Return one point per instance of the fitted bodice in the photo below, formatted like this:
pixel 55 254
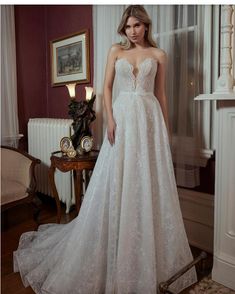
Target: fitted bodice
pixel 142 82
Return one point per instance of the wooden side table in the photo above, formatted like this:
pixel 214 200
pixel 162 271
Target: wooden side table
pixel 77 165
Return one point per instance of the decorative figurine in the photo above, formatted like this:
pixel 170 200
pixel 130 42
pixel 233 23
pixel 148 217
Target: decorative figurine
pixel 82 114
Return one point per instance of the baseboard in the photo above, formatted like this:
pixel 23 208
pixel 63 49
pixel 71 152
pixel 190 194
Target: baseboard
pixel 198 214
pixel 223 273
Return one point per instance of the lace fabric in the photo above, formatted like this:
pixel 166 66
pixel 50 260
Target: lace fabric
pixel 129 235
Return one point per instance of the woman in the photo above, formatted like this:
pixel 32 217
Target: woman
pixel 129 235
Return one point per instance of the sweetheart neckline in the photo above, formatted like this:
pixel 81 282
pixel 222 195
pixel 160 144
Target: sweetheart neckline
pixel 135 77
pixel 133 67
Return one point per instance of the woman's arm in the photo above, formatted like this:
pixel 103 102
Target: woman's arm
pixel 160 87
pixel 108 86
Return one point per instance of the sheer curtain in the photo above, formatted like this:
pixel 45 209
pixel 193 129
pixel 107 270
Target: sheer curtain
pixel 176 29
pixel 9 112
pixel 106 19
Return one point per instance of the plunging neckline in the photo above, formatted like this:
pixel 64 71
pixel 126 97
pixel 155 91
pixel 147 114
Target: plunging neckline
pixel 137 67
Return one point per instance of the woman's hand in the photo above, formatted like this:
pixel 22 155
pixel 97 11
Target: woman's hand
pixel 111 131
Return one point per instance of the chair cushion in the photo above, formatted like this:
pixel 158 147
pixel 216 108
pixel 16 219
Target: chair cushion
pixel 12 191
pixel 15 166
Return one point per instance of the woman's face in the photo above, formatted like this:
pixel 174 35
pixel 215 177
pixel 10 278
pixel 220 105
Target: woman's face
pixel 135 30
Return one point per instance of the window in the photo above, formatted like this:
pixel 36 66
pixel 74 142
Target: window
pixel 186 36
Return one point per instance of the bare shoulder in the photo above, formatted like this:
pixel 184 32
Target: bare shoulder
pixel 116 47
pixel 114 50
pixel 160 55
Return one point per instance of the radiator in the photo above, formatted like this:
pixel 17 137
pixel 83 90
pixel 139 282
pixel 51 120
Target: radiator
pixel 44 135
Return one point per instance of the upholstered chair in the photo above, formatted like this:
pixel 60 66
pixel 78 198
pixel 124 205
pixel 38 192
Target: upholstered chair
pixel 18 184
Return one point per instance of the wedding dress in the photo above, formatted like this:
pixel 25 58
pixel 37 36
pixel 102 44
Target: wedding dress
pixel 129 235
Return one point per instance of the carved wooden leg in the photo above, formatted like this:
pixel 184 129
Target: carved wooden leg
pixel 77 188
pixel 54 191
pixel 87 178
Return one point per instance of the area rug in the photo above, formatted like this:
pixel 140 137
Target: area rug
pixel 208 286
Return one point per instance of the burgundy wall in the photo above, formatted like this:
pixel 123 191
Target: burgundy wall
pixel 61 21
pixel 36 26
pixel 31 64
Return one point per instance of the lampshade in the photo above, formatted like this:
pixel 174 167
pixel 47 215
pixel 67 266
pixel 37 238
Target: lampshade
pixel 89 91
pixel 71 89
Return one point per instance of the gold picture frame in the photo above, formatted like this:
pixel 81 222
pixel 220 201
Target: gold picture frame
pixel 70 60
pixel 65 144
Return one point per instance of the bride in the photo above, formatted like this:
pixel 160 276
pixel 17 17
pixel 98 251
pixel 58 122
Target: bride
pixel 129 235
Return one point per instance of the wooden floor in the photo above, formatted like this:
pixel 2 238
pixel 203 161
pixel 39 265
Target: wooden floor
pixel 15 222
pixel 19 220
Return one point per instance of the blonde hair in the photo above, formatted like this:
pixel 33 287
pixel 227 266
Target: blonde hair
pixel 140 13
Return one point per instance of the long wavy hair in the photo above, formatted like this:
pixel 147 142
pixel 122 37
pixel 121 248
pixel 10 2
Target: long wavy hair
pixel 140 13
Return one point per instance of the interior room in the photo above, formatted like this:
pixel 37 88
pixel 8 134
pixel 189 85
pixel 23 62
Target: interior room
pixel 53 61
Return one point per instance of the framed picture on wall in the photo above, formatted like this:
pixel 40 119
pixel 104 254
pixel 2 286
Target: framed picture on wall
pixel 70 59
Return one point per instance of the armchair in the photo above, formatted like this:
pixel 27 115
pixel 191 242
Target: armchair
pixel 18 184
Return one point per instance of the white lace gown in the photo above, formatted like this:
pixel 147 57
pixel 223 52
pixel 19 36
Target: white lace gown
pixel 129 235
